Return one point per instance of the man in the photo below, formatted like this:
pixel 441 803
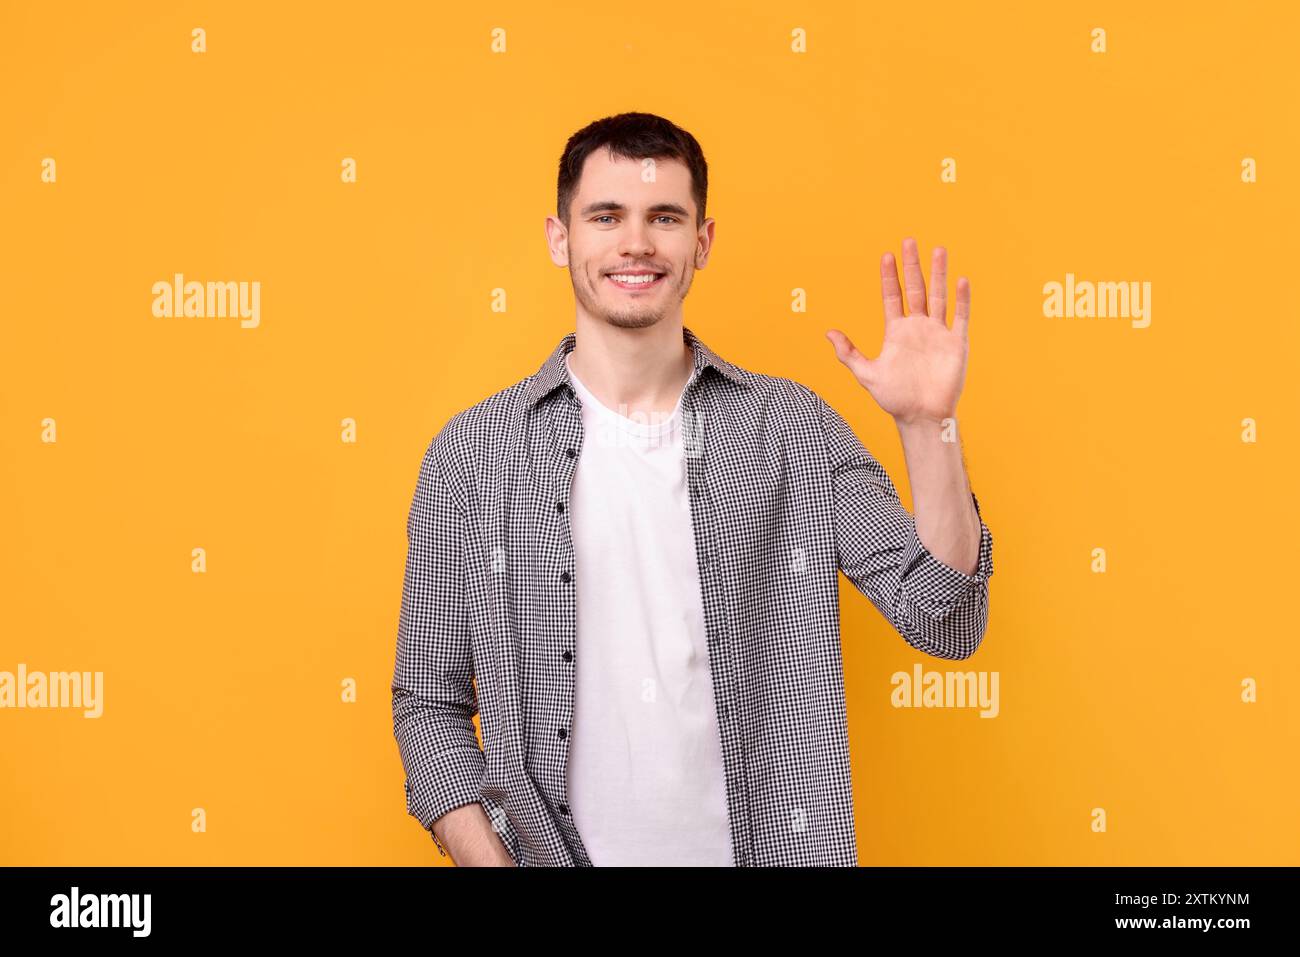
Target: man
pixel 627 563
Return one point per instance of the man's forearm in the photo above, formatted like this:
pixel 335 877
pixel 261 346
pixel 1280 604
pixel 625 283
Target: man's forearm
pixel 467 834
pixel 946 520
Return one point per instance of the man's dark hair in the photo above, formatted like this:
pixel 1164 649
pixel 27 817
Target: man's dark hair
pixel 634 136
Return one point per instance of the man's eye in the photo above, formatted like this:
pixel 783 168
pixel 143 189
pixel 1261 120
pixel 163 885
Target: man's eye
pixel 671 219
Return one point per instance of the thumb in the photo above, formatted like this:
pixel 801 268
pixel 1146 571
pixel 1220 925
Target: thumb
pixel 848 353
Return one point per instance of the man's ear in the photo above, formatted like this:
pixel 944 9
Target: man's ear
pixel 704 243
pixel 557 240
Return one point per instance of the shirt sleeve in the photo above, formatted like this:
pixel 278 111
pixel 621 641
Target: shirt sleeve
pixel 936 608
pixel 434 699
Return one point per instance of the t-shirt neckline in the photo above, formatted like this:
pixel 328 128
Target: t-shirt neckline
pixel 637 427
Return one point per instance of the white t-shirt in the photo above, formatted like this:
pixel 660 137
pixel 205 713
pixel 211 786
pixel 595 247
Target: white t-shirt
pixel 645 776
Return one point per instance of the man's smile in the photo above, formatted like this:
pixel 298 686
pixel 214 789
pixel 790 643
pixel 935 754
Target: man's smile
pixel 635 280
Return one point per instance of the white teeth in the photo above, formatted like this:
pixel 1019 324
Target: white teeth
pixel 633 279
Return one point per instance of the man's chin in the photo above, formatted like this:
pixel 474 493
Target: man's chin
pixel 635 321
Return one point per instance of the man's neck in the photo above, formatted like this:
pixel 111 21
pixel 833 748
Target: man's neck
pixel 633 371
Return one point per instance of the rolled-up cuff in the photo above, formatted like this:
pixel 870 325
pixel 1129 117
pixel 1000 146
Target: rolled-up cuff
pixel 934 586
pixel 448 781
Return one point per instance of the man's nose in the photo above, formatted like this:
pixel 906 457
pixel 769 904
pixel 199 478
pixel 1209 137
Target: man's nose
pixel 635 240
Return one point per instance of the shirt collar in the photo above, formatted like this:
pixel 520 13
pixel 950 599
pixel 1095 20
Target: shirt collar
pixel 554 371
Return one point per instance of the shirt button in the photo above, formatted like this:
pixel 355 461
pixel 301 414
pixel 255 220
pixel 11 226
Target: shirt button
pixel 563 732
pixel 559 506
pixel 565 576
pixel 564 808
pixel 570 453
pixel 568 656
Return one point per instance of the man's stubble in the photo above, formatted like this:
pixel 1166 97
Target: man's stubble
pixel 634 316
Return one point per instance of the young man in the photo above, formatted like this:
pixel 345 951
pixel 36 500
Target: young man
pixel 627 563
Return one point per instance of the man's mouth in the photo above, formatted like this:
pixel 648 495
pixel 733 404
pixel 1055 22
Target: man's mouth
pixel 637 281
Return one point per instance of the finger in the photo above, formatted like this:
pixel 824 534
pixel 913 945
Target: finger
pixel 847 353
pixel 889 288
pixel 961 312
pixel 913 282
pixel 939 284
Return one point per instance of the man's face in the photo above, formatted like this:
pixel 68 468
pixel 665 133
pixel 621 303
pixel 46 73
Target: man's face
pixel 634 220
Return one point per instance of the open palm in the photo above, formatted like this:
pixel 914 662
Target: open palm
pixel 921 369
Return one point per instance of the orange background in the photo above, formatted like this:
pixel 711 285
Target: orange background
pixel 222 690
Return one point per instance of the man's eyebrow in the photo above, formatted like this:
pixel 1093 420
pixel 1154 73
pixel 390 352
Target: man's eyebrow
pixel 608 205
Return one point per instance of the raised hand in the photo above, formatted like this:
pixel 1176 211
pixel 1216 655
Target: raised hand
pixel 921 369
